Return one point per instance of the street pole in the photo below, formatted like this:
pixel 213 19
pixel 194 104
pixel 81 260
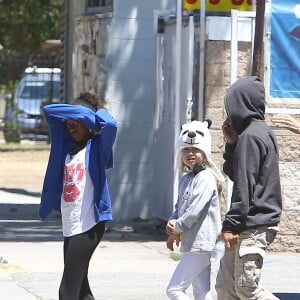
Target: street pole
pixel 257 66
pixel 177 95
pixel 201 102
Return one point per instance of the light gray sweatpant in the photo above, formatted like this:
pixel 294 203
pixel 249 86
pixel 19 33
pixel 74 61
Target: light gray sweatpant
pixel 240 268
pixel 193 269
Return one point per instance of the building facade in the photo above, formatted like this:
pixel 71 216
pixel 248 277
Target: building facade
pixel 119 50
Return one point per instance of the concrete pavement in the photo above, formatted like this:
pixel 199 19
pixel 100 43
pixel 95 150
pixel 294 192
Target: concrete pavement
pixel 131 263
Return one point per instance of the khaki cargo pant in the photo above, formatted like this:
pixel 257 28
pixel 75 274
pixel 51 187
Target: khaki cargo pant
pixel 240 269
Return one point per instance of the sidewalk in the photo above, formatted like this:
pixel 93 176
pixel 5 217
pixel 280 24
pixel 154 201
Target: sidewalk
pixel 131 263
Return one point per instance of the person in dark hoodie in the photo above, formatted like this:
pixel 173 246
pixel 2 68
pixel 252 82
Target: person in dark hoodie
pixel 82 136
pixel 251 162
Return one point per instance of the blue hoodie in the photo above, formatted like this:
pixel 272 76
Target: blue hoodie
pixel 99 150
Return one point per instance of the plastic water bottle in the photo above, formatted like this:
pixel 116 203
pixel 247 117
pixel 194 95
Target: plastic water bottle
pixel 216 254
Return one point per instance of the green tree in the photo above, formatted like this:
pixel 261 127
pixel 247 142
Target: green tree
pixel 25 25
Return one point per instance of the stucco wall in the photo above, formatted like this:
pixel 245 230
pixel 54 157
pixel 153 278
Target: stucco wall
pixel 289 147
pixel 131 92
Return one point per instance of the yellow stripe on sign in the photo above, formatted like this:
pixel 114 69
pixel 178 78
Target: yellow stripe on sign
pixel 219 5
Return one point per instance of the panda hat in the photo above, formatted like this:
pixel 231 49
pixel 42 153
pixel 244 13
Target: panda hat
pixel 196 134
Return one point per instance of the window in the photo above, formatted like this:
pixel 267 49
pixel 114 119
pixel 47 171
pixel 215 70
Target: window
pixel 40 90
pixel 99 6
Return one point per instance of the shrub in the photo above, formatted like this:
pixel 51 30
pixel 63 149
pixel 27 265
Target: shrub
pixel 11 128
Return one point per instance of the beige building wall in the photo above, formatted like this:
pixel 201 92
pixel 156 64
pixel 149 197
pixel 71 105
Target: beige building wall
pixel 217 81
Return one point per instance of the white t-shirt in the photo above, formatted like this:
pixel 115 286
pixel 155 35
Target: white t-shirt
pixel 77 205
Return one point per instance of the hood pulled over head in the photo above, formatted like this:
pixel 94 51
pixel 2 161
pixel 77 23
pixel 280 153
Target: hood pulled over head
pixel 245 100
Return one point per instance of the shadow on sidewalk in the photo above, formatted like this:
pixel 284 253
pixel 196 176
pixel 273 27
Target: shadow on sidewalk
pixel 288 296
pixel 20 192
pixel 137 230
pixel 20 223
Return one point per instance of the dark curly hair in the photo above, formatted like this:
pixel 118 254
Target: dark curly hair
pixel 90 100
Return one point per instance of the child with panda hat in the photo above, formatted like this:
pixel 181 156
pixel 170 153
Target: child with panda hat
pixel 196 220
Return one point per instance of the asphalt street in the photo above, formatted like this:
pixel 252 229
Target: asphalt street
pixel 131 263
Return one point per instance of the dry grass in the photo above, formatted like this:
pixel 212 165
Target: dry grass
pixel 23 166
pixel 7 268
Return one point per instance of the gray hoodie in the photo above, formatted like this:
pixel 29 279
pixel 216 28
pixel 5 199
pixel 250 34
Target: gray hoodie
pixel 252 163
pixel 197 212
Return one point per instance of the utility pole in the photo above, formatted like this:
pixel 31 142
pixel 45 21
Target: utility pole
pixel 258 61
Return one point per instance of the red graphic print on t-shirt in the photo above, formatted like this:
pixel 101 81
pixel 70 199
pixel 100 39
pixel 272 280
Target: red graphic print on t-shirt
pixel 73 174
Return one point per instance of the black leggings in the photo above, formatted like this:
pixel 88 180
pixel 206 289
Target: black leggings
pixel 78 250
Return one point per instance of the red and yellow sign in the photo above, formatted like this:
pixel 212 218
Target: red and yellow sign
pixel 219 5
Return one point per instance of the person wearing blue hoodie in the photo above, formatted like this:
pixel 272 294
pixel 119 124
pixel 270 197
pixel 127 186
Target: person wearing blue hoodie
pixel 82 137
pixel 252 163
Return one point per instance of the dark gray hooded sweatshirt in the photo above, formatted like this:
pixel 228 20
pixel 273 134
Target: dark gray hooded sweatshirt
pixel 252 163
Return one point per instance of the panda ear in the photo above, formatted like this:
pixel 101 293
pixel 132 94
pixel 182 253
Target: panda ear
pixel 209 122
pixel 183 126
